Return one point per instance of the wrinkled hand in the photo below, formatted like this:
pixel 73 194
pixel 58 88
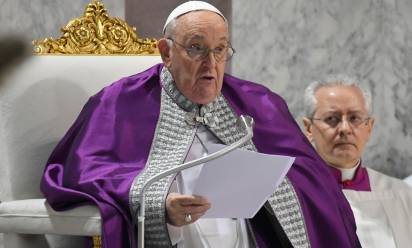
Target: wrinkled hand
pixel 178 206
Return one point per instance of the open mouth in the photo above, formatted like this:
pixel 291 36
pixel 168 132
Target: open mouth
pixel 207 78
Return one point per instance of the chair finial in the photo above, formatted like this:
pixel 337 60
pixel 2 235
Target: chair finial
pixel 99 34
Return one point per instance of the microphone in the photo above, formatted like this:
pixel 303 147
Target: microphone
pixel 245 121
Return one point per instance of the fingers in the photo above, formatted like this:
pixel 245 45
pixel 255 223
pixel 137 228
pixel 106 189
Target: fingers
pixel 198 209
pixel 193 200
pixel 196 217
pixel 179 206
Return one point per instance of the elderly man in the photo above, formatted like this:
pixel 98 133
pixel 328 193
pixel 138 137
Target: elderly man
pixel 338 122
pixel 160 118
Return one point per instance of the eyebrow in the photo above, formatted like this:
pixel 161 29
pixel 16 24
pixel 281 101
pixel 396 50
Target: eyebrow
pixel 340 112
pixel 195 37
pixel 202 37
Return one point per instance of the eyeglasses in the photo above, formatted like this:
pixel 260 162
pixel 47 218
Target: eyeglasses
pixel 353 120
pixel 199 52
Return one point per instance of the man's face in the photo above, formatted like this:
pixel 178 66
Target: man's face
pixel 199 80
pixel 339 143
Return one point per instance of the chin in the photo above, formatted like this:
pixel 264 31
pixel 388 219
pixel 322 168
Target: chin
pixel 347 150
pixel 346 158
pixel 204 98
pixel 345 155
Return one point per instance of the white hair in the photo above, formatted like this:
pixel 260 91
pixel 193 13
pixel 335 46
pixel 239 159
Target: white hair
pixel 170 28
pixel 333 80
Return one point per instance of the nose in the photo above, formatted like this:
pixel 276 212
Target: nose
pixel 210 59
pixel 345 126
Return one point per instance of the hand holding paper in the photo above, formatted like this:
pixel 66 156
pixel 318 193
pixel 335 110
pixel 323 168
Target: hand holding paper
pixel 239 183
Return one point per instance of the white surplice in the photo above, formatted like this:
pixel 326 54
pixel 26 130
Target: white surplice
pixel 383 216
pixel 408 180
pixel 206 233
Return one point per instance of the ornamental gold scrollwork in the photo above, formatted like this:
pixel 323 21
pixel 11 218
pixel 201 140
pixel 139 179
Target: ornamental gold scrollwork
pixel 97 241
pixel 99 34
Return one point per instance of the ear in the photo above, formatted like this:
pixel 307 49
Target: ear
pixel 164 50
pixel 307 123
pixel 370 126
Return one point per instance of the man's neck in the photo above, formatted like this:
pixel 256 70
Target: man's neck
pixel 348 172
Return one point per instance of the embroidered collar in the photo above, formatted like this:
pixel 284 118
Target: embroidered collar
pixel 196 114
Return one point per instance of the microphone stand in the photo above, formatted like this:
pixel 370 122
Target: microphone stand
pixel 246 122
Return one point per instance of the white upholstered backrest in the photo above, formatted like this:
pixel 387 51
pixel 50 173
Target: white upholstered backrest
pixel 39 100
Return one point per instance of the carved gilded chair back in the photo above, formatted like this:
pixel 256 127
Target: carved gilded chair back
pixel 40 100
pixel 96 33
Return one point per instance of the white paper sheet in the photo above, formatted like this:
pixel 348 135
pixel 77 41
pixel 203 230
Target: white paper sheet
pixel 238 183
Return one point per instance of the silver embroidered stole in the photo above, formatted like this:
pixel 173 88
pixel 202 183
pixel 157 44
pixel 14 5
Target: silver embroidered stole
pixel 174 134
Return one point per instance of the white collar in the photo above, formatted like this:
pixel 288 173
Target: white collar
pixel 349 174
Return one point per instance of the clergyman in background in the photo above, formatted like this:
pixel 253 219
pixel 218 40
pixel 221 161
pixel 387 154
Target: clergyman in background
pixel 338 121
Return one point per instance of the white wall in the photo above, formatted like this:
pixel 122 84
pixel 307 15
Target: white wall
pixel 38 19
pixel 287 44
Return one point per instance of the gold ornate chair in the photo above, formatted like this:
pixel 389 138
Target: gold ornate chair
pixel 38 102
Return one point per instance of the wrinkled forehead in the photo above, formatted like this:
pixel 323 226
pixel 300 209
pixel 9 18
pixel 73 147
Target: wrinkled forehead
pixel 201 24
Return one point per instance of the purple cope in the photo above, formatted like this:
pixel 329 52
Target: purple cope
pixel 109 143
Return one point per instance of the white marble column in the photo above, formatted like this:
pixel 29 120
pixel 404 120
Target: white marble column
pixel 286 44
